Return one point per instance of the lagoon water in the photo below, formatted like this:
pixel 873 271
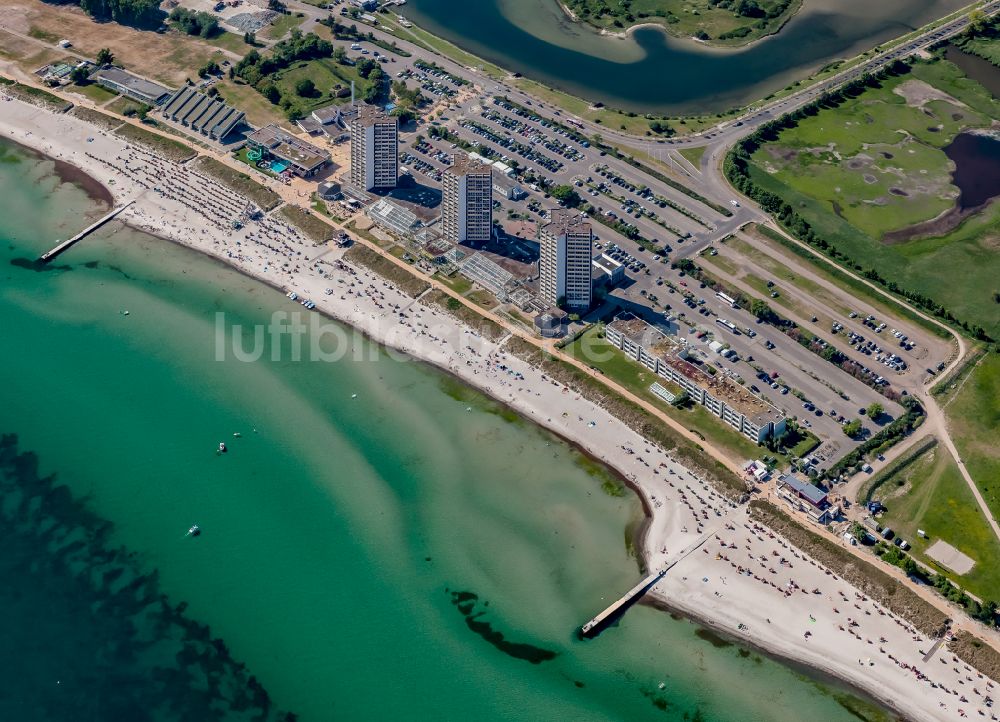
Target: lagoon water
pixel 388 557
pixel 649 71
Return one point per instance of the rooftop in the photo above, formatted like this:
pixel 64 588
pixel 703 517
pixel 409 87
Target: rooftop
pixel 566 221
pixel 464 164
pixel 666 349
pixel 813 494
pixel 644 334
pixel 371 115
pixel 288 147
pixel 393 216
pixel 132 82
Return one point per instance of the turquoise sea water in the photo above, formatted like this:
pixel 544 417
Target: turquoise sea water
pixel 389 557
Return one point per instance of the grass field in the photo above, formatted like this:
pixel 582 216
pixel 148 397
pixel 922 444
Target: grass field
pixel 930 494
pixel 260 111
pixel 457 283
pixel 239 182
pixel 282 26
pixel 167 147
pixel 98 93
pixel 875 165
pixel 974 420
pixel 124 104
pixel 328 77
pixel 595 351
pixel 685 18
pixel 693 155
pixel 27 54
pixel 169 57
pixel 229 41
pixel 315 230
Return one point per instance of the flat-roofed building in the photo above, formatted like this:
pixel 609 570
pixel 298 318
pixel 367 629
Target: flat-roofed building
pixel 609 270
pixel 564 267
pixel 302 157
pixel 806 497
pixel 208 116
pixel 374 149
pixel 131 86
pixel 510 191
pixel 467 201
pixel 661 353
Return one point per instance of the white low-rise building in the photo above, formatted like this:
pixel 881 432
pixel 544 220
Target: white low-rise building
pixel 746 412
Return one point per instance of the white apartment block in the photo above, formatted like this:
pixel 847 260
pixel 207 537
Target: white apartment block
pixel 564 267
pixel 467 201
pixel 374 149
pixel 746 412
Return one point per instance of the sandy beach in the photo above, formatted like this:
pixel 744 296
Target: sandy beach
pixel 730 573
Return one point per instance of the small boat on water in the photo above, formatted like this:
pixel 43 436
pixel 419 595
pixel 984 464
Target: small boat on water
pixel 222 447
pixel 195 530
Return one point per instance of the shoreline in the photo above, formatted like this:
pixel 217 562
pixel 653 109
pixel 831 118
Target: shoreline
pixel 668 508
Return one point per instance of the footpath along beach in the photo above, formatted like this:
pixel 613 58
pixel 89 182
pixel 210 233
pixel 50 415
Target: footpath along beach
pixel 729 572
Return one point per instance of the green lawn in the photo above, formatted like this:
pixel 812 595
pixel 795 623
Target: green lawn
pixel 595 351
pixel 260 111
pixel 457 283
pixel 97 93
pixel 282 26
pixel 930 494
pixel 693 155
pixel 974 419
pixel 837 168
pixel 686 18
pixel 328 77
pixel 230 41
pixel 124 104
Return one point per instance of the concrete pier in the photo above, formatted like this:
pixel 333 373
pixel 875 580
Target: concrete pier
pixel 621 605
pixel 50 254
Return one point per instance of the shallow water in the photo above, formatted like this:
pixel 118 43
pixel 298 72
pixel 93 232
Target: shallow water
pixel 649 71
pixel 977 168
pixel 392 556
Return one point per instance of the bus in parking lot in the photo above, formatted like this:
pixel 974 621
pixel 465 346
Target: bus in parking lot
pixel 728 325
pixel 726 299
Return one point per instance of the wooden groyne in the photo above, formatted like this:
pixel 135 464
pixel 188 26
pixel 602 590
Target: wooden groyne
pixel 50 254
pixel 596 625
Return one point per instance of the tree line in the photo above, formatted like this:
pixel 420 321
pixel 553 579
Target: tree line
pixel 202 24
pixel 138 13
